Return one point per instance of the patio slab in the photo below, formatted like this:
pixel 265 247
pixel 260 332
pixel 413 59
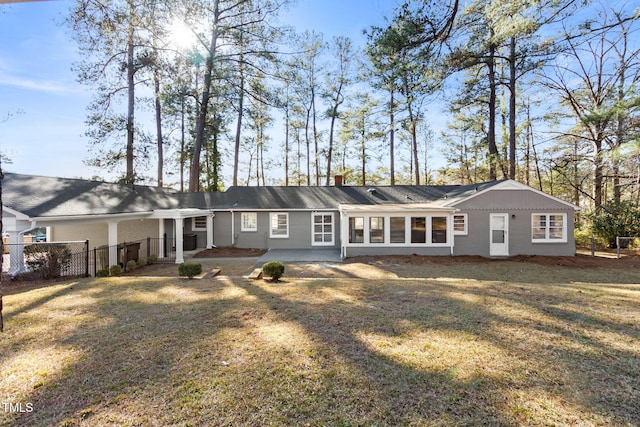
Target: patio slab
pixel 301 255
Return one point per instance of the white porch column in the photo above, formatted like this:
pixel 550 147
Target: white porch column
pixel 179 240
pixel 113 242
pixel 16 253
pixel 210 230
pixel 161 231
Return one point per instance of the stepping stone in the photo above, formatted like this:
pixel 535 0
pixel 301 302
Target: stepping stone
pixel 255 274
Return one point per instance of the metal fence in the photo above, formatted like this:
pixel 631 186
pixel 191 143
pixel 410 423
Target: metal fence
pixel 47 259
pixel 61 259
pixel 161 249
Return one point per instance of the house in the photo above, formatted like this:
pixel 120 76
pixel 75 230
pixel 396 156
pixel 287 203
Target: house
pixel 491 219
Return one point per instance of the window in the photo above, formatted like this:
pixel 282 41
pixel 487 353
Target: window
pixel 439 229
pixel 549 228
pixel 376 229
pixel 396 228
pixel 279 225
pixel 356 230
pixel 322 233
pixel 199 223
pixel 460 224
pixel 418 230
pixel 249 221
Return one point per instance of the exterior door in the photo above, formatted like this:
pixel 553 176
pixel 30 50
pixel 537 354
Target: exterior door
pixel 499 235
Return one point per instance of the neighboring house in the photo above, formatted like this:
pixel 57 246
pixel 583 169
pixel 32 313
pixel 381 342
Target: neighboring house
pixel 492 219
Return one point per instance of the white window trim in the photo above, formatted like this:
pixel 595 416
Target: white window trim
pixel 565 227
pixel 248 229
pixel 465 232
pixel 407 230
pixel 193 224
pixel 278 236
pixel 333 229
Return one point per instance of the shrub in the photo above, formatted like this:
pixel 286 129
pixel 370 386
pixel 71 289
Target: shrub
pixel 103 273
pixel 131 265
pixel 114 270
pixel 190 269
pixel 142 262
pixel 273 269
pixel 617 219
pixel 152 259
pixel 48 261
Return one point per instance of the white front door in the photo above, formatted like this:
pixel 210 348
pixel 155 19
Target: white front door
pixel 499 234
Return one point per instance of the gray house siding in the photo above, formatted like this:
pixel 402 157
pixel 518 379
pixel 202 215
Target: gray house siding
pixel 299 222
pixel 352 251
pixel 519 205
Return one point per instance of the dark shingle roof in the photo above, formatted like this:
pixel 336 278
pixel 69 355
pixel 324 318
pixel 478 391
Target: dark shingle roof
pixel 38 196
pixel 330 197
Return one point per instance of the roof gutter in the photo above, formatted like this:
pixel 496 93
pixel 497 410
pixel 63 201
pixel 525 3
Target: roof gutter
pixel 91 218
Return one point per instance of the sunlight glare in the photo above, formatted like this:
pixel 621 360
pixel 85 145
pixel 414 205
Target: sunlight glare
pixel 181 36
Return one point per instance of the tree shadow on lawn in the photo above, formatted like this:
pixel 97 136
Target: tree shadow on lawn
pixel 228 351
pixel 562 365
pixel 529 269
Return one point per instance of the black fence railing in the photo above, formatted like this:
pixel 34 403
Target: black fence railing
pixel 58 259
pixel 47 259
pixel 140 251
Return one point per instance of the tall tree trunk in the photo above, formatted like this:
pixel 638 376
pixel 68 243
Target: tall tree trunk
pixel 182 142
pixel 236 149
pixel 286 141
pixel 156 86
pixel 131 70
pixel 364 153
pixel 194 171
pixel 315 137
pixel 512 108
pixel 491 131
pixel 392 125
pixel 414 145
pixel 308 141
pixel 334 113
pixel 597 172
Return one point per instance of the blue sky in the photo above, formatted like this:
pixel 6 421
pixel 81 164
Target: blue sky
pixel 48 107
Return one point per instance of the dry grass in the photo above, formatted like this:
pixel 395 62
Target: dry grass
pixel 486 343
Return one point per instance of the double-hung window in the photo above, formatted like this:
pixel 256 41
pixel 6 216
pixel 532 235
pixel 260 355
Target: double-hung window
pixel 249 221
pixel 199 223
pixel 376 229
pixel 279 225
pixel 356 229
pixel 549 228
pixel 460 224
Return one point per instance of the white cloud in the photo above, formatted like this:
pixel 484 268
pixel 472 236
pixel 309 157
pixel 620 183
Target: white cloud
pixel 32 84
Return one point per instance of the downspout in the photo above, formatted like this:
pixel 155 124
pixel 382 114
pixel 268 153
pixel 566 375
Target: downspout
pixel 233 228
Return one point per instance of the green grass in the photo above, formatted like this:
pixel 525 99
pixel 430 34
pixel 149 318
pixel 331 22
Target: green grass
pixel 483 344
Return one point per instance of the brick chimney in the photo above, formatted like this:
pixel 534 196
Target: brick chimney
pixel 338 180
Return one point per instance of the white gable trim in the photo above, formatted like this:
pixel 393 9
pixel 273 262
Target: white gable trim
pixel 515 185
pixel 19 215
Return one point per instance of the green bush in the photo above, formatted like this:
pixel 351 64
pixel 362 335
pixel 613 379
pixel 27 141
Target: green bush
pixel 103 273
pixel 190 269
pixel 114 270
pixel 48 261
pixel 273 269
pixel 152 259
pixel 142 262
pixel 617 219
pixel 132 265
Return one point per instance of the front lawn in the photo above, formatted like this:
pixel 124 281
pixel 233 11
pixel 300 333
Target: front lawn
pixel 485 343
